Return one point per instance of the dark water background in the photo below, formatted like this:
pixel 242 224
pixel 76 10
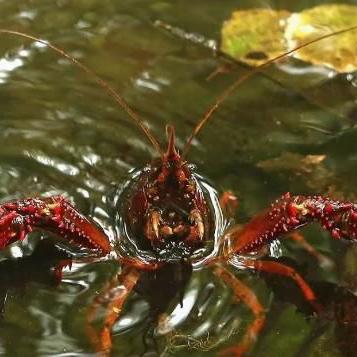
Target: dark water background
pixel 60 133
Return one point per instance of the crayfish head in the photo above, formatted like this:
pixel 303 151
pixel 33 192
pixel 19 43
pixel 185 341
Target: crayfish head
pixel 169 209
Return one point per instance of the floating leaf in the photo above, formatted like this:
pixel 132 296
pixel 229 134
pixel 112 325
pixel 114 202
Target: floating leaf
pixel 254 36
pixel 257 35
pixel 338 52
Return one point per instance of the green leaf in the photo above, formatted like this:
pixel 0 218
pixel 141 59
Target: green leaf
pixel 255 35
pixel 338 52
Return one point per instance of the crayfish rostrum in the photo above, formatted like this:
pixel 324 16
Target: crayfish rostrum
pixel 170 216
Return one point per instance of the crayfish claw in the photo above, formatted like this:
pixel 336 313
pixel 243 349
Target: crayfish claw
pixel 54 214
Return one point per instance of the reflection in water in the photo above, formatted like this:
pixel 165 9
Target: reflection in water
pixel 324 72
pixel 28 14
pixel 8 65
pixel 16 252
pixel 47 161
pixel 181 312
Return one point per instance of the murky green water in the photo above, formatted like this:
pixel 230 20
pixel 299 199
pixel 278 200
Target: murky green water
pixel 60 133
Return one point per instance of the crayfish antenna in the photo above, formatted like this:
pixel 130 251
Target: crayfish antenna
pixel 101 82
pixel 218 101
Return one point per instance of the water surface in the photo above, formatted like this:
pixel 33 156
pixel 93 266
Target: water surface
pixel 60 133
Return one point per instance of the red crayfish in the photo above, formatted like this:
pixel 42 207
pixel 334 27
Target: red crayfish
pixel 169 215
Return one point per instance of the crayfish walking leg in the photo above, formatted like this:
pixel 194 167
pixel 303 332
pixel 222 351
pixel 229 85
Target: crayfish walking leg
pixel 247 296
pixel 113 297
pixel 322 259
